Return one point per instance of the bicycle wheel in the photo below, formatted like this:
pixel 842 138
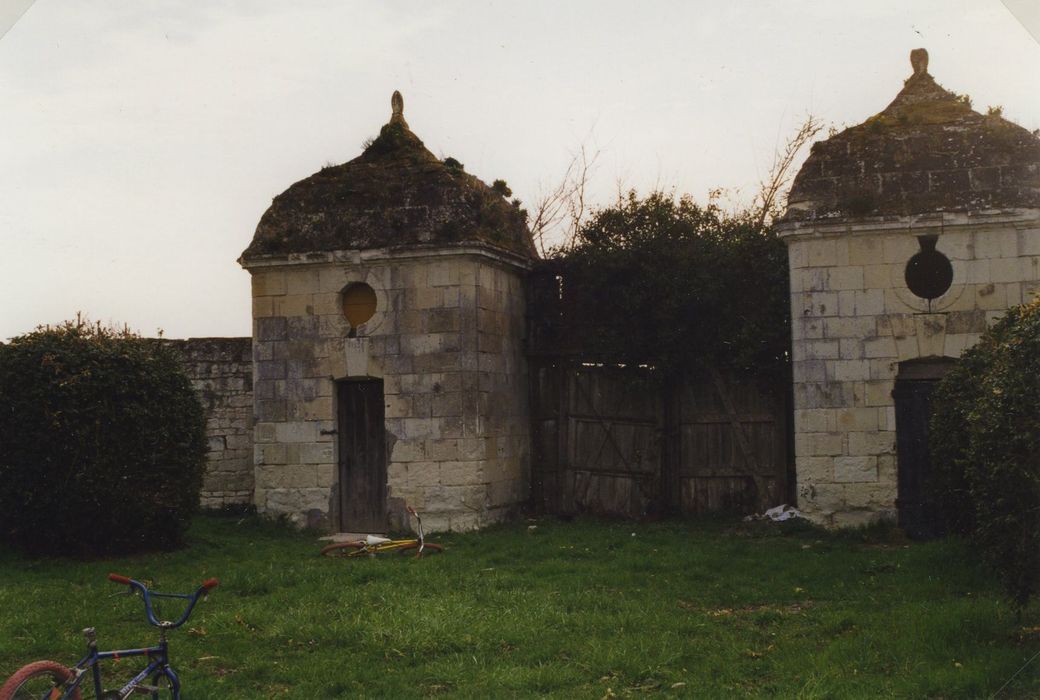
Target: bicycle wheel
pixel 428 548
pixel 32 681
pixel 163 685
pixel 344 549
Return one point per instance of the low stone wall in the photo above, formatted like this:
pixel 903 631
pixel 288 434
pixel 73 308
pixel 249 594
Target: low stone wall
pixel 221 371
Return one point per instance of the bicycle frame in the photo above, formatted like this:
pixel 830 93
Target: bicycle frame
pixel 373 544
pixel 158 655
pixel 158 665
pixel 422 538
pixel 376 545
pixel 389 546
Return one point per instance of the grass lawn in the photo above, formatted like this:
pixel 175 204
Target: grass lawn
pixel 545 608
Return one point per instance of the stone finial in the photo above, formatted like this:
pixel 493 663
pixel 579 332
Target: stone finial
pixel 918 60
pixel 397 105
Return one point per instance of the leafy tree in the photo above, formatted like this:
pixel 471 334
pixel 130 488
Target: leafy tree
pixel 102 442
pixel 985 445
pixel 661 280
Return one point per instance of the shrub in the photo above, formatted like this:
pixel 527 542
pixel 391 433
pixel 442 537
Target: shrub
pixel 661 280
pixel 985 444
pixel 102 442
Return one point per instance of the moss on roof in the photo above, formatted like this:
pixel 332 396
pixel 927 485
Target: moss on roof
pixel 928 151
pixel 396 193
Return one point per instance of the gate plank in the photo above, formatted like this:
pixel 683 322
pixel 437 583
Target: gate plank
pixel 628 446
pixel 761 487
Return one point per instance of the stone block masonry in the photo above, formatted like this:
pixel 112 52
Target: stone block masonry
pixel 446 340
pixel 387 323
pixel 908 235
pixel 221 372
pixel 854 321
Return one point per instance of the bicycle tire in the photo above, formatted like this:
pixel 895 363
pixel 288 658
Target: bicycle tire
pixel 17 686
pixel 428 548
pixel 344 549
pixel 161 681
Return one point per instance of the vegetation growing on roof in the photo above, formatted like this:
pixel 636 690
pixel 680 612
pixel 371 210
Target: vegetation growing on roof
pixel 927 151
pixel 502 188
pixel 396 193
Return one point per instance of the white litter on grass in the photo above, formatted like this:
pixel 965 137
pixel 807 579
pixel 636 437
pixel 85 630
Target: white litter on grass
pixel 777 515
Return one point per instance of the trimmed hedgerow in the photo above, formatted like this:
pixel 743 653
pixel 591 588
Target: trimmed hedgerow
pixel 102 442
pixel 985 445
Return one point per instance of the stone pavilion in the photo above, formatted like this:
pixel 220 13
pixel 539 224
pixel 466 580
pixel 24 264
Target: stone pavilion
pixel 388 314
pixel 908 235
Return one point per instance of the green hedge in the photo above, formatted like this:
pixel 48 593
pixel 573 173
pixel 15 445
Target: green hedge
pixel 102 442
pixel 667 282
pixel 985 445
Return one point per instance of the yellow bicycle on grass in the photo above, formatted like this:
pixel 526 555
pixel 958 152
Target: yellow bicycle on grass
pixel 373 545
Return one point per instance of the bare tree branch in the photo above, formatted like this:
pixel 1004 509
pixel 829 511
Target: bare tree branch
pixel 773 189
pixel 560 212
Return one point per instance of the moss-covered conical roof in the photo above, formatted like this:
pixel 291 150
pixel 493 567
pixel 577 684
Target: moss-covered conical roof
pixel 928 151
pixel 396 193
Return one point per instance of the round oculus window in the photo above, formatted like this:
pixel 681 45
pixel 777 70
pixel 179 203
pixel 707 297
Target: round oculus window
pixel 359 303
pixel 929 273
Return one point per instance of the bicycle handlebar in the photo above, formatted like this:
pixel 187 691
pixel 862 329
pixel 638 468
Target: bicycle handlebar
pixel 193 598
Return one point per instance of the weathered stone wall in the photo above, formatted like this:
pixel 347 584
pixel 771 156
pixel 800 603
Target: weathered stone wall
pixel 221 371
pixel 445 339
pixel 854 321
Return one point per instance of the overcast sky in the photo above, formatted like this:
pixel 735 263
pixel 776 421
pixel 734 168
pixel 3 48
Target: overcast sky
pixel 140 142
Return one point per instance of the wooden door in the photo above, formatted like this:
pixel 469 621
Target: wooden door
pixel 362 455
pixel 918 513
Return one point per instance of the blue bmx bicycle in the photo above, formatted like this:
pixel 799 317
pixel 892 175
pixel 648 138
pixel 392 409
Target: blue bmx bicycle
pixel 48 680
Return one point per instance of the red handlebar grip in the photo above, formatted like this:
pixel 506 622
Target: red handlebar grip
pixel 119 579
pixel 411 510
pixel 210 583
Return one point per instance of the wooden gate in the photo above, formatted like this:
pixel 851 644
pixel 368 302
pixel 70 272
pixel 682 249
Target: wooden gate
pixel 362 455
pixel 731 452
pixel 616 441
